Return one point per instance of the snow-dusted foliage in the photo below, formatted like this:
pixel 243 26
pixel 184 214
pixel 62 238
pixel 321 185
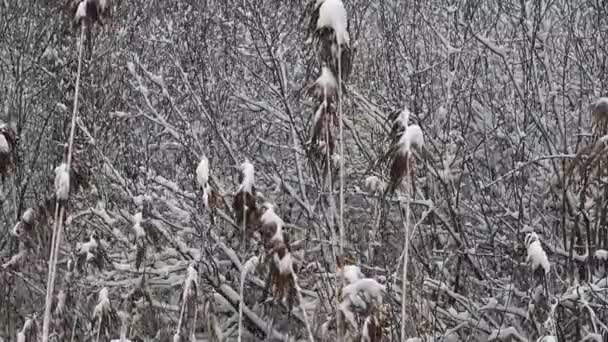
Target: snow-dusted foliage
pixel 205 136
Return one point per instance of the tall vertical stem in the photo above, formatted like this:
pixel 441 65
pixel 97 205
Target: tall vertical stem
pixel 341 137
pixel 59 211
pixel 406 248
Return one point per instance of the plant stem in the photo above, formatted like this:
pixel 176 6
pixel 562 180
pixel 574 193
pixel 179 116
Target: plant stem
pixel 58 226
pixel 406 249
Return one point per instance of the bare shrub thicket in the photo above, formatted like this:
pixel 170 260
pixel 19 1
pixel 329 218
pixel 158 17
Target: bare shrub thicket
pixel 506 213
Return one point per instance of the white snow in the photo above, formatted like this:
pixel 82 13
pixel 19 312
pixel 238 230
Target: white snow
pixel 62 182
pixel 403 117
pixel 81 11
pixel 368 287
pixel 191 280
pixel 103 4
pixel 285 264
pixel 333 14
pixel 326 82
pixel 4 148
pixel 28 216
pixel 137 228
pixel 202 172
pixel 536 255
pixel 349 315
pixel 270 216
pixel 365 331
pixel 103 303
pixel 351 273
pixel 374 184
pixel 411 137
pixel 601 101
pixel 601 254
pixel 87 247
pixel 248 179
pixel 17 231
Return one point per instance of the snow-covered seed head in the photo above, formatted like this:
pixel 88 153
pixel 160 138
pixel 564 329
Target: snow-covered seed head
pixel 599 115
pixel 412 137
pixel 137 228
pixel 190 283
pixel 246 168
pixel 81 11
pixel 600 109
pixel 325 86
pixel 351 273
pixel 4 147
pixel 247 176
pixel 332 14
pixel 530 238
pixel 8 142
pixel 62 182
pixel 536 254
pixel 374 184
pixel 403 118
pixel 17 230
pixel 28 216
pixel 202 172
pixel 103 303
pixel 366 288
pixel 282 258
pixel 92 9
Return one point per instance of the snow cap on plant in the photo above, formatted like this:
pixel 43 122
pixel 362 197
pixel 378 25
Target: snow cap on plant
pixel 374 184
pixel 139 231
pixel 325 87
pixel 90 10
pixel 244 204
pixel 190 283
pixel 271 224
pixel 599 117
pixel 322 141
pixel 202 179
pixel 329 28
pixel 68 180
pixel 536 254
pixel 28 332
pixel 403 162
pixel 8 144
pixel 281 272
pixel 104 314
pixel 363 294
pixel 351 273
pixel 90 252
